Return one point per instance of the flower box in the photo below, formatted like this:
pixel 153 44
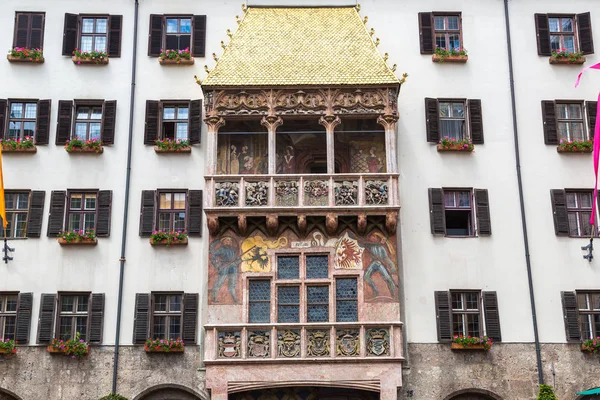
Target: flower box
pixel 16 59
pixel 182 150
pixel 99 150
pixel 180 61
pixel 163 350
pixel 9 149
pixel 173 243
pixel 566 60
pixel 437 58
pixel 459 347
pixel 86 60
pixel 7 351
pixel 561 149
pixel 53 350
pixel 453 147
pixel 91 242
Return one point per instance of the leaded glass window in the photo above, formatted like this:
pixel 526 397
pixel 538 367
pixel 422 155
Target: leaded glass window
pixel 346 299
pixel 259 297
pixel 288 304
pixel 317 299
pixel 317 267
pixel 288 267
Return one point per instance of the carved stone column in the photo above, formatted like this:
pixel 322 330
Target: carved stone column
pixel 330 122
pixel 213 123
pixel 272 122
pixel 388 122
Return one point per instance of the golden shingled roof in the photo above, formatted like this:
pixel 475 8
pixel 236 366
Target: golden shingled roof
pixel 300 46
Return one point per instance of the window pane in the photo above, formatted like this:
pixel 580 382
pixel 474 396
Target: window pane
pixel 576 129
pixel 259 290
pixel 449 199
pixel 96 113
pixel 454 41
pixel 81 327
pixel 288 309
pixel 81 131
pixel 184 42
pixel 586 200
pixel 82 303
pixel 260 312
pixel 440 40
pixel 28 129
pixel 74 222
pixel 30 110
pixel 582 299
pixel 562 111
pixel 9 226
pixel 453 128
pixel 439 23
pixel 87 25
pixel 472 301
pixel 458 110
pixel 473 324
pixel 182 130
pixel 595 302
pixel 464 199
pixel 22 201
pixel 67 303
pixel 445 109
pixel 10 327
pixel 20 225
pixel 65 328
pixel 573 224
pixel 554 24
pixel 10 304
pixel 346 288
pixel 14 130
pixel 457 301
pixel 179 221
pixel 160 302
pixel 9 200
pixel 164 222
pixel 159 328
pixel 288 267
pixel 89 222
pixel 16 110
pixel 175 303
pixel 165 201
pixel 318 303
pixel 175 328
pixel 596 319
pixel 457 324
pixel 185 25
pixel 100 43
pixel 182 113
pixel 567 24
pixel 555 43
pixel 346 311
pixel 172 42
pixel 171 25
pixel 83 112
pixel 574 111
pixel 101 25
pixel 569 43
pixel 87 43
pixel 453 23
pixel 169 113
pixel 95 131
pixel 317 267
pixel 179 201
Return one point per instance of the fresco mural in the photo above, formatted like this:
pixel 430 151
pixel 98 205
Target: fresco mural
pixel 242 154
pixel 367 157
pixel 374 255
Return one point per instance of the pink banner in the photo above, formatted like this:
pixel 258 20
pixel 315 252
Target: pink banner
pixel 596 145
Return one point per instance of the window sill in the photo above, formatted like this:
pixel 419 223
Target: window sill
pixel 99 61
pixel 560 149
pixel 162 350
pixel 436 58
pixel 85 150
pixel 181 61
pixel 52 350
pixel 454 147
pixel 63 242
pixel 163 242
pixel 460 347
pixel 14 59
pixel 182 150
pixel 564 60
pixel 7 149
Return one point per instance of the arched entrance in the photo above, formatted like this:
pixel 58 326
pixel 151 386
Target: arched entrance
pixel 6 395
pixel 473 394
pixel 305 393
pixel 167 392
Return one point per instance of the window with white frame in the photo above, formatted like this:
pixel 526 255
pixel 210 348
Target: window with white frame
pixel 73 316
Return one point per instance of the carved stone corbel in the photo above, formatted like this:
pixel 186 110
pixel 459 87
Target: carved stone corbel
pixel 331 223
pixel 213 224
pixel 214 123
pixel 272 224
pixel 302 224
pixel 242 224
pixel 330 122
pixel 271 122
pixel 362 224
pixel 391 222
pixel 388 121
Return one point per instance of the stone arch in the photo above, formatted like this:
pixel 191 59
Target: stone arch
pixel 473 394
pixel 169 392
pixel 5 394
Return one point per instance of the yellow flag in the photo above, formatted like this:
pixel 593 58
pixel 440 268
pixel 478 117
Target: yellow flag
pixel 2 203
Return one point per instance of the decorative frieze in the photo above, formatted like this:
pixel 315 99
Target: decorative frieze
pixel 257 193
pixel 376 192
pixel 346 193
pixel 229 345
pixel 316 193
pixel 378 342
pixel 227 194
pixel 259 344
pixel 288 343
pixel 347 342
pixel 318 343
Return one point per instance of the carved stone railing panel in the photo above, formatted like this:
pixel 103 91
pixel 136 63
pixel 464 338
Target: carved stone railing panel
pixel 257 193
pixel 346 193
pixel 227 194
pixel 316 193
pixel 376 192
pixel 278 341
pixel 286 193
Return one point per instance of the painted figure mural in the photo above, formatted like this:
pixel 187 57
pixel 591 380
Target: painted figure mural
pixel 367 156
pixel 289 161
pixel 225 259
pixel 379 250
pixel 242 154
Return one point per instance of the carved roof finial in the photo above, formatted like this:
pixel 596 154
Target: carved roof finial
pixel 244 8
pixel 238 20
pixel 229 33
pixel 372 32
pixel 215 57
pixel 365 20
pixel 197 80
pixel 394 68
pixel 223 44
pixel 386 56
pixel 357 7
pixel 377 42
pixel 404 76
pixel 206 69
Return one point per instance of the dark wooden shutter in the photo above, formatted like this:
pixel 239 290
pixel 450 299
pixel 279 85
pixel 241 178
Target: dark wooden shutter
pixel 443 316
pixel 24 306
pixel 584 29
pixel 46 320
pixel 155 35
pixel 559 209
pixel 195 212
pixel 432 120
pixel 114 36
pixel 199 46
pixel 195 121
pixel 542 31
pixel 190 317
pixel 69 34
pixel 42 125
pixel 36 213
pixel 571 316
pixel 426 32
pixel 36 33
pixel 21 30
pixel 151 129
pixel 58 199
pixel 96 320
pixel 492 316
pixel 108 121
pixel 437 216
pixel 3 111
pixel 63 125
pixel 482 208
pixel 104 211
pixel 475 121
pixel 142 318
pixel 549 118
pixel 147 213
pixel 592 109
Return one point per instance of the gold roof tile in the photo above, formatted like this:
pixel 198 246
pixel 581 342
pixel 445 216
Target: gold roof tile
pixel 300 46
